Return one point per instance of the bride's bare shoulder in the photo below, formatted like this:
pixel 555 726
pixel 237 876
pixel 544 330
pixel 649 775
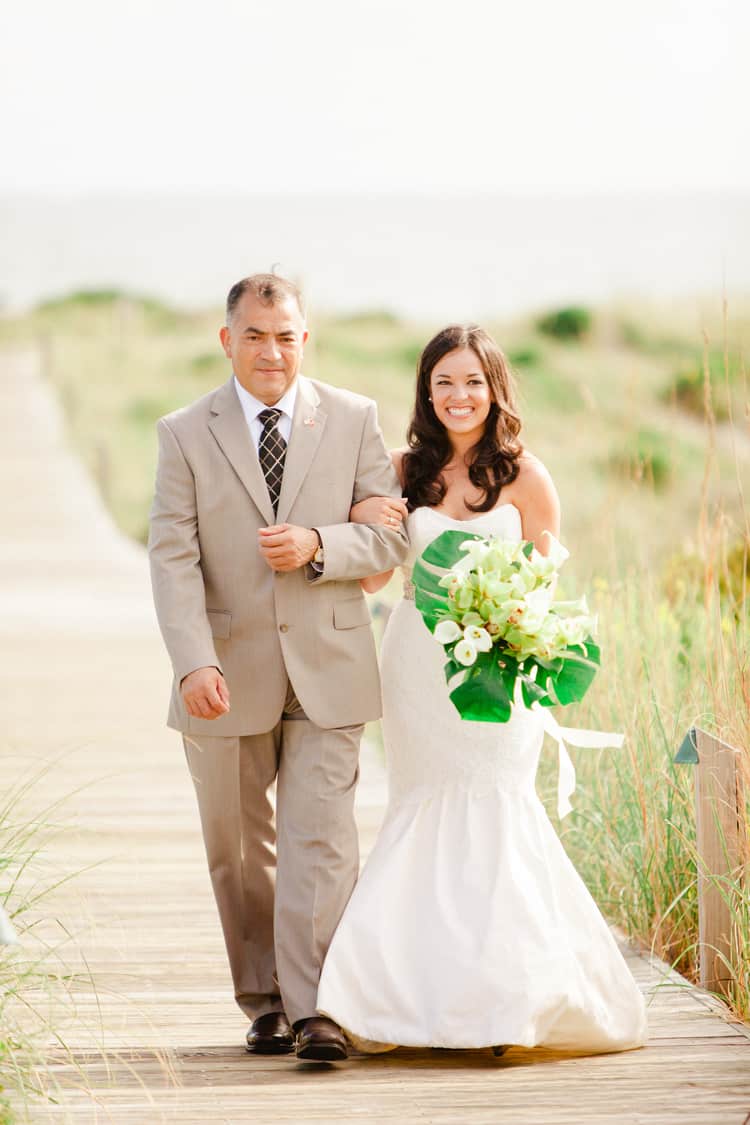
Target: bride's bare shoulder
pixel 533 475
pixel 533 489
pixel 534 494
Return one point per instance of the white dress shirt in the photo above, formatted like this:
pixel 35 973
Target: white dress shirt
pixel 252 407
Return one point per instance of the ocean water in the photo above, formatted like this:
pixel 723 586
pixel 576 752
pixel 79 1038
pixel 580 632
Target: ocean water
pixel 425 257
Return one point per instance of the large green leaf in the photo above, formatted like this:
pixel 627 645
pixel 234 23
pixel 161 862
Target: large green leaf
pixel 483 696
pixel 427 581
pixel 444 551
pixel 531 691
pixel 430 598
pixel 432 608
pixel 572 682
pixel 508 667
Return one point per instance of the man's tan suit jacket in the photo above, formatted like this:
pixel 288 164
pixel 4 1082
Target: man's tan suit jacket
pixel 217 600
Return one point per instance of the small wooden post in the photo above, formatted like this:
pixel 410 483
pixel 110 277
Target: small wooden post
pixel 721 833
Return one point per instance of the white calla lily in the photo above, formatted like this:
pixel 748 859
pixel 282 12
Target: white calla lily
pixel 479 637
pixel 446 632
pixel 465 653
pixel 463 566
pixel 557 553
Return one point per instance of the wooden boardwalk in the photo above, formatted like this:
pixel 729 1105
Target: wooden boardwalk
pixel 84 685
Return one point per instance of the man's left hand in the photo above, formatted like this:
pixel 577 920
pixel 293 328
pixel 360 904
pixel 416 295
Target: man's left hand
pixel 287 547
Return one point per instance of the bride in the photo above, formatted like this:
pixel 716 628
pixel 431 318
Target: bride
pixel 469 926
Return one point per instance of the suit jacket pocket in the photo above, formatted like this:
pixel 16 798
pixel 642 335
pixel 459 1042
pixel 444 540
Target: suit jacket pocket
pixel 351 613
pixel 220 621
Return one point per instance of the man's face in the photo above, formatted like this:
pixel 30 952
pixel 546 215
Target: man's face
pixel 265 344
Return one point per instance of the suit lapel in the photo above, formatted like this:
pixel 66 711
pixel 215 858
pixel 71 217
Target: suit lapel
pixel 229 427
pixel 307 430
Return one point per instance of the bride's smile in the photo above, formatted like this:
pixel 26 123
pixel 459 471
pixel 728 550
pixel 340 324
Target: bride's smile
pixel 460 394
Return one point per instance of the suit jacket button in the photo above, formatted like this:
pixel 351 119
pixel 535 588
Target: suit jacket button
pixel 283 628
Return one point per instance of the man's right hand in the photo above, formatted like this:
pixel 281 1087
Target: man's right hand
pixel 205 693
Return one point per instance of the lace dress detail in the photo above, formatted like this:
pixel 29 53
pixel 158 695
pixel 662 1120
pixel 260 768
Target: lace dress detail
pixel 469 925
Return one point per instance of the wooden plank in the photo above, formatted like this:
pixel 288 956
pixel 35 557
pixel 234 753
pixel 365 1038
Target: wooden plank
pixel 721 843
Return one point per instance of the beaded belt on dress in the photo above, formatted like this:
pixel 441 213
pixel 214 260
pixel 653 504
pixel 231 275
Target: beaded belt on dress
pixel 408 590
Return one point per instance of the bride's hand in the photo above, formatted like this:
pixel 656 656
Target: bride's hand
pixel 388 511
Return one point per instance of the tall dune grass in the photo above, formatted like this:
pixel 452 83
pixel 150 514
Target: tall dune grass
pixel 37 989
pixel 677 653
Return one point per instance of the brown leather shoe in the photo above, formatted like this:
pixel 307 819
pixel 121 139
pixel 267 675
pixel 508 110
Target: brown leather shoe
pixel 270 1034
pixel 319 1039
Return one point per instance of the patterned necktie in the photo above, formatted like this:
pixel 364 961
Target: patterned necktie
pixel 271 452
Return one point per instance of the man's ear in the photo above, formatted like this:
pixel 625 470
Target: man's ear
pixel 226 341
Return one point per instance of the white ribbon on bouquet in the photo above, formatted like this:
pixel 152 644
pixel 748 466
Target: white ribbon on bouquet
pixel 588 739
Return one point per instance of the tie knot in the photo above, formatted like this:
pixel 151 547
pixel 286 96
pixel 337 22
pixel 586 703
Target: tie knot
pixel 270 417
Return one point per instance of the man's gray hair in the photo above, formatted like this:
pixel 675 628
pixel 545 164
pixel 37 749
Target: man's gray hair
pixel 268 288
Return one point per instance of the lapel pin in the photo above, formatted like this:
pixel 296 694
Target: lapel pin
pixel 309 422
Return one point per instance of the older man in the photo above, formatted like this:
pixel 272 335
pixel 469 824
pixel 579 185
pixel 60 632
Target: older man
pixel 255 571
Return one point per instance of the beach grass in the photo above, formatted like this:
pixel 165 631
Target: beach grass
pixel 677 645
pixel 37 986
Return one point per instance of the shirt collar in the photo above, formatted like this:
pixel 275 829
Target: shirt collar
pixel 253 406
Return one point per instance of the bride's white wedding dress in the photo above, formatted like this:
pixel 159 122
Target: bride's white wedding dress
pixel 469 925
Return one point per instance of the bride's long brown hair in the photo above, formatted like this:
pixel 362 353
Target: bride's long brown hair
pixel 493 461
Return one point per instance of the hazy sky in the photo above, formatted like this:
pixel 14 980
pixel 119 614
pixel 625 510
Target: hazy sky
pixel 381 95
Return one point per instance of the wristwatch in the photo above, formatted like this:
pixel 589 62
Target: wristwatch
pixel 319 556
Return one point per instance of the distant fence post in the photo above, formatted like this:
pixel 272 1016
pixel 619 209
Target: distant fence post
pixel 721 842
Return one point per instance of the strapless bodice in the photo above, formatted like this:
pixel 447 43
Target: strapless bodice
pixel 425 524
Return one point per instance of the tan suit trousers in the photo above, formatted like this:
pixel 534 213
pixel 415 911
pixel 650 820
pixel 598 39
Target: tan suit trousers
pixel 280 882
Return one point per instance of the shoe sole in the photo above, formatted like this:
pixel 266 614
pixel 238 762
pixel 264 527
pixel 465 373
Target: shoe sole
pixel 321 1052
pixel 268 1047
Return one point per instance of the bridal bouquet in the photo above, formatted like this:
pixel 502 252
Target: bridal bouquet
pixel 491 603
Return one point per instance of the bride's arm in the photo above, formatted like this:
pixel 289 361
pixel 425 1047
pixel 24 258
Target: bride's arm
pixel 535 496
pixel 380 510
pixel 375 582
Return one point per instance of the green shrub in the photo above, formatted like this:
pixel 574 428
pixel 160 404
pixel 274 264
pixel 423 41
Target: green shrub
pixel 85 297
pixel 687 389
pixel 371 318
pixel 644 458
pixel 527 356
pixel 632 335
pixel 570 323
pixel 410 354
pixel 686 570
pixel 113 302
